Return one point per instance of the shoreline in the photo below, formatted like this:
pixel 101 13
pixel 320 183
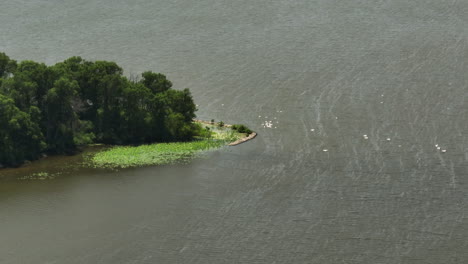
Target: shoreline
pixel 82 149
pixel 244 139
pixel 235 143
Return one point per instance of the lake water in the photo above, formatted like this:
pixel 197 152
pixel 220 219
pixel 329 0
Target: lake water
pixel 311 189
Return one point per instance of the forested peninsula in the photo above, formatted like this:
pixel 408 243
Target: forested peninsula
pixel 56 109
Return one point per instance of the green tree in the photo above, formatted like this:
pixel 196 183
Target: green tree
pixel 60 117
pixel 21 138
pixel 23 92
pixel 83 133
pixel 135 113
pixel 179 129
pixel 182 102
pixel 156 82
pixel 7 66
pixel 37 75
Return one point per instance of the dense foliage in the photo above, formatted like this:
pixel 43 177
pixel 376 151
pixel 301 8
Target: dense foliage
pixel 56 108
pixel 242 129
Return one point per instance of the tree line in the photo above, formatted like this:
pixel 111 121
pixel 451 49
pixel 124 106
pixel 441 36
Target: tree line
pixel 55 109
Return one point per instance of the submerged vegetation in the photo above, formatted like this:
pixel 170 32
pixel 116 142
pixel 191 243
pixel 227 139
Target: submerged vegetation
pixel 39 176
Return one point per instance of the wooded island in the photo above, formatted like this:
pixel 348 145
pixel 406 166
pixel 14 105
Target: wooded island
pixel 55 109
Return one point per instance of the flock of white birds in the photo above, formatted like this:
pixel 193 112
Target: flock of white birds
pixel 272 124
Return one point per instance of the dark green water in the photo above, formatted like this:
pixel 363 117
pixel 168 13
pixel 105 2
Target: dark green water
pixel 386 69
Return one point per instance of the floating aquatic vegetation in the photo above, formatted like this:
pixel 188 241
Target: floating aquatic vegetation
pixel 154 154
pixel 160 153
pixel 40 176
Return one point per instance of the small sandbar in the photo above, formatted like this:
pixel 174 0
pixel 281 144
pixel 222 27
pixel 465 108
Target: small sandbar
pixel 244 139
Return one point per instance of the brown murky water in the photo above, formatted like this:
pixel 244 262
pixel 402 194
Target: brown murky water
pixel 310 189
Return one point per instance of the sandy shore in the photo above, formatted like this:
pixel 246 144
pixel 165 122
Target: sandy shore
pixel 244 139
pixel 237 142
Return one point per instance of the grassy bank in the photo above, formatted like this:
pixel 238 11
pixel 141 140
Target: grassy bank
pixel 163 153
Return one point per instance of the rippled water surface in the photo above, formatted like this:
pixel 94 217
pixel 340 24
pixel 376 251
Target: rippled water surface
pixel 310 189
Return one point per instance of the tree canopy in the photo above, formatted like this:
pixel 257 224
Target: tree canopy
pixel 57 108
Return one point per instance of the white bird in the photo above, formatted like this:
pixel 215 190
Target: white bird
pixel 325 150
pixel 444 150
pixel 438 148
pixel 388 139
pixel 312 130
